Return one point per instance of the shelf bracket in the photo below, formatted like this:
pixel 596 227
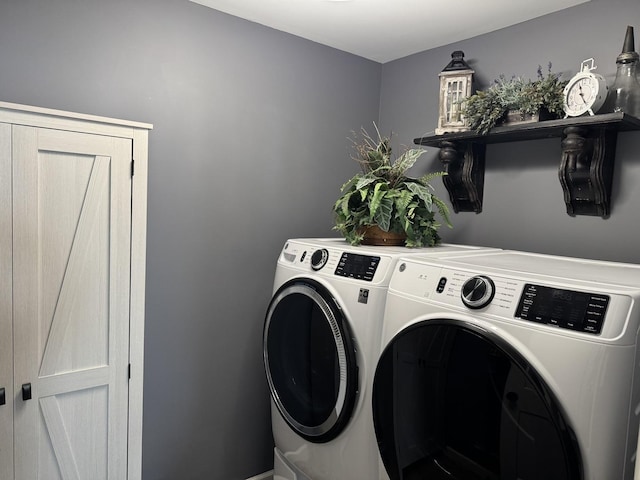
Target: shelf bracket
pixel 464 164
pixel 586 169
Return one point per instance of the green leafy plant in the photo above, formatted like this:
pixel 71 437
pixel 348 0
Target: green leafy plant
pixel 486 108
pixel 385 196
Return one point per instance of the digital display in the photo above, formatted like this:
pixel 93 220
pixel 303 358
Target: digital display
pixel 361 267
pixel 564 308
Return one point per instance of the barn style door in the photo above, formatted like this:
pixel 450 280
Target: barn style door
pixel 71 215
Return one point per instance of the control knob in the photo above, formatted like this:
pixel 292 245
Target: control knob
pixel 319 258
pixel 478 291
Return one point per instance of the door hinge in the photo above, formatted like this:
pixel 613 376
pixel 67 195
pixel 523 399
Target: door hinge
pixel 129 372
pixel 133 162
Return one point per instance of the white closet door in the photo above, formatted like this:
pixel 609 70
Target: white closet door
pixel 71 247
pixel 6 298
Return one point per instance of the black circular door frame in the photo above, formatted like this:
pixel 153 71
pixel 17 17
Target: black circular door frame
pixel 317 300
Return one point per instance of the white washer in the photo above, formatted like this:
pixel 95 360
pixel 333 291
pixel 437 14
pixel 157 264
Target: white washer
pixel 509 365
pixel 321 339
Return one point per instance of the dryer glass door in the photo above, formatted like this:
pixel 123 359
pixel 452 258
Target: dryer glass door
pixel 310 360
pixel 454 402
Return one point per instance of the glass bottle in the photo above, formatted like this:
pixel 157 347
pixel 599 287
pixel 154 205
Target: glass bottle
pixel 624 95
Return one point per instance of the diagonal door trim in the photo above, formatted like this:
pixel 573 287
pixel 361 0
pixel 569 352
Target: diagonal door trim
pixel 59 438
pixel 80 248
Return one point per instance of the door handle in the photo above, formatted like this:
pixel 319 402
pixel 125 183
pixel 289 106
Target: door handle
pixel 3 396
pixel 26 391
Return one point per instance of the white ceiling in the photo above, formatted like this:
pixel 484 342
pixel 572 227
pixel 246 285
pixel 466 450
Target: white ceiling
pixel 384 30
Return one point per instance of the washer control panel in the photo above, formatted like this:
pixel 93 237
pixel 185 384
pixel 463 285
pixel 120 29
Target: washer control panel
pixel 360 267
pixel 570 309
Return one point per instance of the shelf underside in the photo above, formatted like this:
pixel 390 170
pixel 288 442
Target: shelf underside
pixel 536 130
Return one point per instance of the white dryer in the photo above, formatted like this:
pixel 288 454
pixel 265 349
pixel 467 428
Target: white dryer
pixel 321 338
pixel 509 366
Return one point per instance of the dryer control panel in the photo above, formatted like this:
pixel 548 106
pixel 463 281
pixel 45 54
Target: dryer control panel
pixel 570 309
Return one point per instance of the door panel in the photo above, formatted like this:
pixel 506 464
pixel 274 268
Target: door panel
pixel 76 261
pixel 71 221
pixel 6 299
pixel 75 434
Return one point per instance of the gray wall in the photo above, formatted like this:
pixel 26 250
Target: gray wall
pixel 523 201
pixel 249 147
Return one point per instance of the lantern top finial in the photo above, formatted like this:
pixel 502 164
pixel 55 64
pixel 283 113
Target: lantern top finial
pixel 457 62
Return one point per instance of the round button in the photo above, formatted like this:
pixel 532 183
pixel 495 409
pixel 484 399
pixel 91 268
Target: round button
pixel 478 291
pixel 319 258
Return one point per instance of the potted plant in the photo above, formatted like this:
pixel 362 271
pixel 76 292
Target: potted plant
pixel 382 205
pixel 515 99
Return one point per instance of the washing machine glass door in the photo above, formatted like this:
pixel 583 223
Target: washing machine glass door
pixel 455 402
pixel 310 360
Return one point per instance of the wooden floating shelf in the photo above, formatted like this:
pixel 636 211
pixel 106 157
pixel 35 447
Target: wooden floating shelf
pixel 586 167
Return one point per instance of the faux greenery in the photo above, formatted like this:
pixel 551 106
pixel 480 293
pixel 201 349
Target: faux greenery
pixel 486 108
pixel 385 196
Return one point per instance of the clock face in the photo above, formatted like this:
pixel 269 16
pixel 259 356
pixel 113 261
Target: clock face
pixel 583 94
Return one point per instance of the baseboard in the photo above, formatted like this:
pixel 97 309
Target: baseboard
pixel 263 476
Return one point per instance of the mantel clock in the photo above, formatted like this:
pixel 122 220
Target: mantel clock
pixel 585 92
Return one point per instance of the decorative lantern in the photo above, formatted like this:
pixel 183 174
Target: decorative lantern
pixel 455 85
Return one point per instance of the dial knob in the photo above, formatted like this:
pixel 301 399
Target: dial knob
pixel 319 258
pixel 478 291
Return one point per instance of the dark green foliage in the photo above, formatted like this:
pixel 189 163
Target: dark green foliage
pixel 383 195
pixel 487 108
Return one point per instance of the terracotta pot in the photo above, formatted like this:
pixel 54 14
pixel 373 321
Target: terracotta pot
pixel 373 235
